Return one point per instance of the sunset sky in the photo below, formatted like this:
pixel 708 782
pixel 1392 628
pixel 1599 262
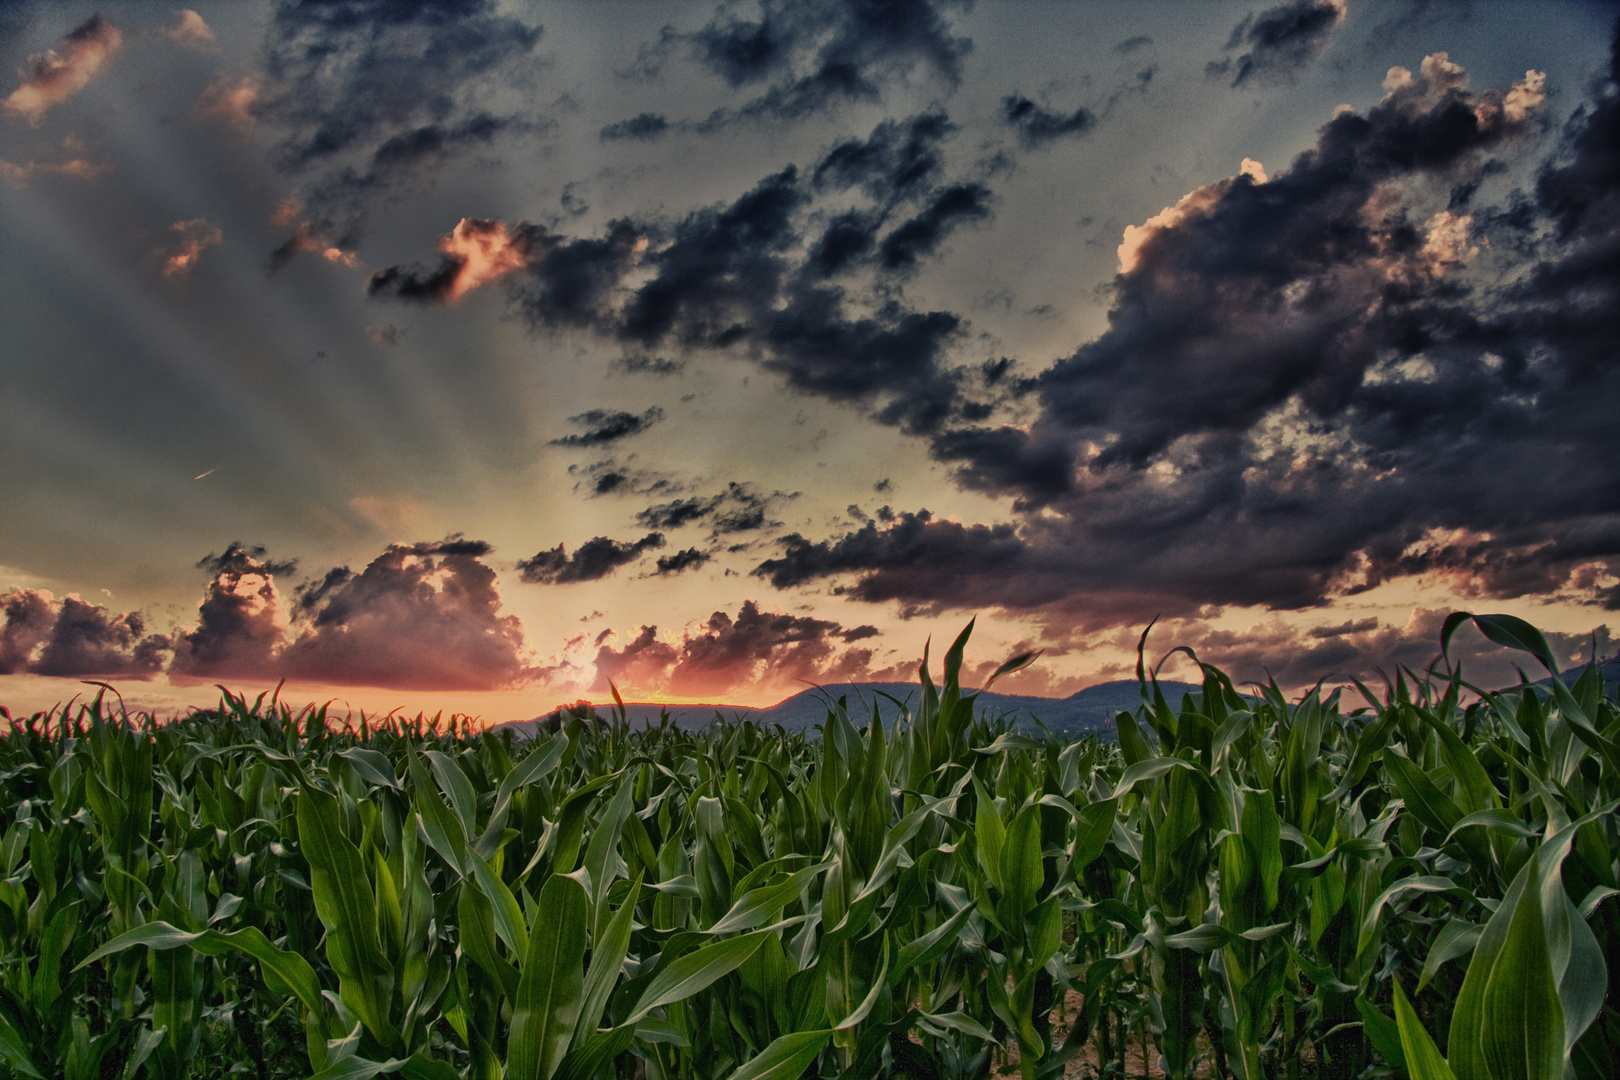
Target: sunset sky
pixel 461 355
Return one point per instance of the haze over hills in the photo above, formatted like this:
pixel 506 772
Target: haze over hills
pixel 1089 710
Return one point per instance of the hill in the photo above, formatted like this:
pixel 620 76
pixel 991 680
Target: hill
pixel 1089 710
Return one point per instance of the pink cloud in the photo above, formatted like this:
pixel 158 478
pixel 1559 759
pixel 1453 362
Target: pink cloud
pixel 485 250
pixel 51 78
pixel 195 236
pixel 75 639
pixel 423 616
pixel 757 652
pixel 75 165
pixel 230 101
pixel 190 31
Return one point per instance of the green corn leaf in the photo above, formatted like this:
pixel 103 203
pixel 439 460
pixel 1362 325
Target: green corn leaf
pixel 1021 874
pixel 695 971
pixel 756 905
pixel 550 992
pixel 419 1067
pixel 1433 807
pixel 443 826
pixel 591 1051
pixel 1522 1034
pixel 14 1050
pixel 288 971
pixel 931 946
pixel 1514 633
pixel 348 909
pixel 1209 936
pixel 1456 938
pixel 371 765
pixel 508 916
pixel 1504 821
pixel 943 1023
pixel 1423 1060
pixel 1423 883
pixel 1382 1032
pixel 990 833
pixel 454 783
pixel 476 917
pixel 785 1058
pixel 607 958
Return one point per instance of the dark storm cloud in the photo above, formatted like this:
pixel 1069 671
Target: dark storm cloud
pixel 672 515
pixel 898 159
pixel 573 281
pixel 726 653
pixel 596 559
pixel 681 560
pixel 818 55
pixel 903 248
pixel 75 639
pixel 642 364
pixel 422 616
pixel 1037 126
pixel 644 127
pixel 734 277
pixel 737 509
pixel 914 557
pixel 1282 41
pixel 722 264
pixel 602 426
pixel 1131 44
pixel 372 94
pixel 1310 386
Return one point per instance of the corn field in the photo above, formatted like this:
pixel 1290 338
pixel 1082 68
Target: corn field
pixel 1418 881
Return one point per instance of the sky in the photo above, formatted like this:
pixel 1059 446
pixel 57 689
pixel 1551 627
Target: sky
pixel 475 356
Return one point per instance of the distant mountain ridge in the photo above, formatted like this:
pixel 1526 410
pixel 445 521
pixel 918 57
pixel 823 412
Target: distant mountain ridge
pixel 1089 710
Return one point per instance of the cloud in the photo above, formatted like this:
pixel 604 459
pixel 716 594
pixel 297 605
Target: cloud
pixel 334 74
pixel 30 614
pixel 736 277
pixel 190 31
pixel 815 56
pixel 645 127
pixel 195 236
pixel 476 252
pixel 737 509
pixel 241 622
pixel 899 159
pixel 76 165
pixel 1282 41
pixel 905 247
pixel 1308 386
pixel 757 648
pixel 602 426
pixel 1037 126
pixel 75 639
pixel 232 102
pixel 596 559
pixel 52 78
pixel 688 559
pixel 422 616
